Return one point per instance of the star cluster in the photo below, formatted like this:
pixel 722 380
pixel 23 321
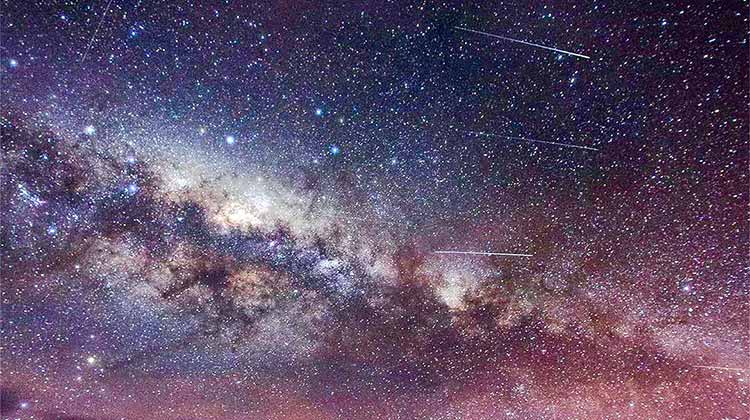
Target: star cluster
pixel 241 210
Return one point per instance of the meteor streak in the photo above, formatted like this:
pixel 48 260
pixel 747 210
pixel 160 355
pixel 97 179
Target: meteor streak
pixel 481 133
pixel 522 42
pixel 493 254
pixel 91 41
pixel 721 368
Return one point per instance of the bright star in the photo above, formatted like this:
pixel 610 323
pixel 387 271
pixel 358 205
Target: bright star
pixel 13 62
pixel 318 111
pixel 334 150
pixel 132 189
pixel 230 140
pixel 89 130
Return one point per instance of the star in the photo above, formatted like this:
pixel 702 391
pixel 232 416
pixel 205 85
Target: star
pixel 132 188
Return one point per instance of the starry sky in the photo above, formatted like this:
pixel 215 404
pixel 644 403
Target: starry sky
pixel 240 210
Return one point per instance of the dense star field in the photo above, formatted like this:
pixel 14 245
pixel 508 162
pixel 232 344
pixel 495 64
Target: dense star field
pixel 239 210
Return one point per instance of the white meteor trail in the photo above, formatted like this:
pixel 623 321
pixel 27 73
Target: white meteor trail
pixel 481 133
pixel 93 37
pixel 722 368
pixel 492 254
pixel 522 42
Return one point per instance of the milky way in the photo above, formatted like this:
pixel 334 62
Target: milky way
pixel 239 210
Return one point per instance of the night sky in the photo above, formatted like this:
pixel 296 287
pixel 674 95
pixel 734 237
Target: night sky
pixel 240 210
